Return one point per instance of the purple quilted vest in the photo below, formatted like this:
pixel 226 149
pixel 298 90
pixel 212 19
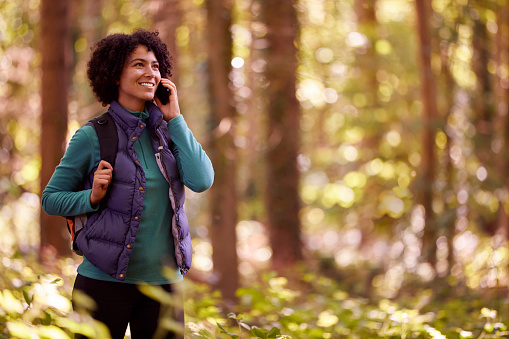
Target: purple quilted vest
pixel 108 235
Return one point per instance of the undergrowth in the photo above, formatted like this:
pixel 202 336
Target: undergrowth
pixel 35 303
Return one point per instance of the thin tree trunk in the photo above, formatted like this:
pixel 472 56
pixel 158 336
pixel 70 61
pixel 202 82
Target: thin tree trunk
pixel 252 157
pixel 366 18
pixel 166 18
pixel 423 8
pixel 504 173
pixel 501 127
pixel 54 84
pixel 92 26
pixel 449 222
pixel 223 195
pixel 283 144
pixel 368 64
pixel 484 105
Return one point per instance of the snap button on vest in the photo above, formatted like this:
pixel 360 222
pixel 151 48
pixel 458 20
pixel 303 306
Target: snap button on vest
pixel 141 188
pixel 129 246
pixel 136 218
pixel 121 275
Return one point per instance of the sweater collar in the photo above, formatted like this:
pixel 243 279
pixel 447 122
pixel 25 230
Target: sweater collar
pixel 142 115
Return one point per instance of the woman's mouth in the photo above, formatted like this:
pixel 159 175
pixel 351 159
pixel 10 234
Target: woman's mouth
pixel 147 84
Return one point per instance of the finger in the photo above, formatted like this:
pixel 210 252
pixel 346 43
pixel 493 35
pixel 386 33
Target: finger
pixel 102 175
pixel 106 171
pixel 104 164
pixel 166 80
pixel 103 179
pixel 168 84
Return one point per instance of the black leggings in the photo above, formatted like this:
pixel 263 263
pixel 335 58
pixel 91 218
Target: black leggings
pixel 118 304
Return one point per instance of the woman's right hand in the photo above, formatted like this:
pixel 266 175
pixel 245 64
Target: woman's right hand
pixel 102 179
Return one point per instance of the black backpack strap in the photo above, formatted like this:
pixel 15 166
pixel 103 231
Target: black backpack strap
pixel 106 131
pixel 107 134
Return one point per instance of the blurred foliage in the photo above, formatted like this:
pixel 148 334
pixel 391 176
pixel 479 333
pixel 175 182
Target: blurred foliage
pixel 35 304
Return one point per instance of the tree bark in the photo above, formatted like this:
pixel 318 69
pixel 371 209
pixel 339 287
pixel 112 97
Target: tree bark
pixel 366 19
pixel 223 195
pixel 54 86
pixel 501 127
pixel 448 223
pixel 503 107
pixel 484 106
pixel 282 194
pixel 367 84
pixel 166 18
pixel 423 9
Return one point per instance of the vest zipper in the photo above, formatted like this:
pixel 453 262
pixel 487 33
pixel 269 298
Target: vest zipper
pixel 171 189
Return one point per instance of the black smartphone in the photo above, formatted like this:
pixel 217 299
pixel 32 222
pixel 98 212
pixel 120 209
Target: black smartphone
pixel 163 94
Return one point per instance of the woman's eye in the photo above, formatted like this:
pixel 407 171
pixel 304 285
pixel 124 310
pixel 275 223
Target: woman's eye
pixel 155 66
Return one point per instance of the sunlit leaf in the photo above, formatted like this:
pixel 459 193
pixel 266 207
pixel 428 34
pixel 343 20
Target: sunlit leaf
pixel 52 332
pixel 20 330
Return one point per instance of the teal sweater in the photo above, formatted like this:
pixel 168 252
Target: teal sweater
pixel 153 249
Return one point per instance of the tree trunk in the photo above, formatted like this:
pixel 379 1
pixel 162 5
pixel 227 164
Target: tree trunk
pixel 54 83
pixel 366 19
pixel 367 84
pixel 448 220
pixel 223 195
pixel 282 200
pixel 92 25
pixel 166 18
pixel 484 106
pixel 501 120
pixel 425 194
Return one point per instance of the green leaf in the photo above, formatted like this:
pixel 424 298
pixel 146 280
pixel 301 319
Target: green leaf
pixel 47 319
pixel 259 332
pixel 202 334
pixel 489 327
pixel 27 297
pixel 274 332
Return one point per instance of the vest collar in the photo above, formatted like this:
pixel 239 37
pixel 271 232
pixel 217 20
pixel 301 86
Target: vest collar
pixel 128 121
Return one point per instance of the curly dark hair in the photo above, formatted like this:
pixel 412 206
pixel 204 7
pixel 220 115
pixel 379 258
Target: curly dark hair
pixel 110 54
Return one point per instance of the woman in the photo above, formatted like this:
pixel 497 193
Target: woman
pixel 132 235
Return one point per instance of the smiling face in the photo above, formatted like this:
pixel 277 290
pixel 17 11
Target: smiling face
pixel 139 79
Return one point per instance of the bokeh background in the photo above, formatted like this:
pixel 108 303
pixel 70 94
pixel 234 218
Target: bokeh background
pixel 360 151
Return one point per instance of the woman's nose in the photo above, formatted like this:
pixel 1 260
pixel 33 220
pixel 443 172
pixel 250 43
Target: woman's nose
pixel 150 72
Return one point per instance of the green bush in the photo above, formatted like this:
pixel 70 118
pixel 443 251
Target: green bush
pixel 36 304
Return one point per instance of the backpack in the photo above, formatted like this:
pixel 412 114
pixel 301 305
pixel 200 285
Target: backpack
pixel 106 131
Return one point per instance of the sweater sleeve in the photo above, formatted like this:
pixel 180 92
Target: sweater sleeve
pixel 63 194
pixel 194 165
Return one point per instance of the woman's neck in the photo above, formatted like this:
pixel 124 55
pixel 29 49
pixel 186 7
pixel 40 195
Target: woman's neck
pixel 132 106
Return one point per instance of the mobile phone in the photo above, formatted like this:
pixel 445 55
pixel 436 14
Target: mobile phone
pixel 163 94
